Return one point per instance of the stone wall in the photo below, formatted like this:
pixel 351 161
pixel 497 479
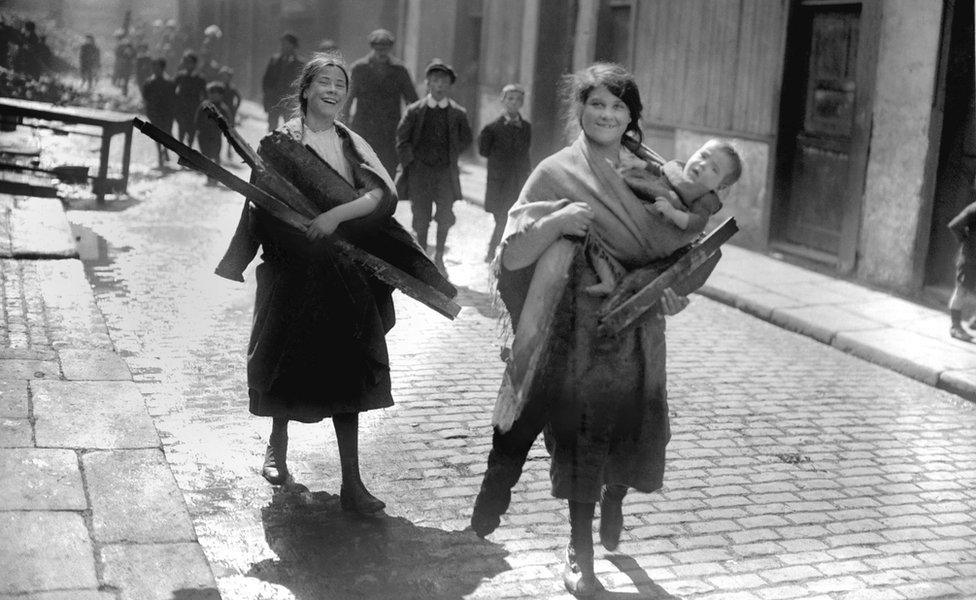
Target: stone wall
pixel 891 215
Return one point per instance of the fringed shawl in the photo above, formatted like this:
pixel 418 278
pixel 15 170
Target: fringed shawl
pixel 631 233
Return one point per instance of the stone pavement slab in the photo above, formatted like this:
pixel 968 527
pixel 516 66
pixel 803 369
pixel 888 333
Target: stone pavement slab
pixel 15 433
pixel 89 414
pixel 158 571
pixel 45 551
pixel 13 398
pixel 38 228
pixel 24 369
pixel 98 365
pixel 40 479
pixel 134 498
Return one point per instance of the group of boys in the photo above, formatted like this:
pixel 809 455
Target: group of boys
pixel 427 140
pixel 182 99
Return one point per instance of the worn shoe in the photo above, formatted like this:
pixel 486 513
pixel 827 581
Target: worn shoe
pixel 577 583
pixel 611 516
pixel 354 497
pixel 275 469
pixel 486 515
pixel 960 334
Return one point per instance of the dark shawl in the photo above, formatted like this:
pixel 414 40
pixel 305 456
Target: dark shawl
pixel 317 345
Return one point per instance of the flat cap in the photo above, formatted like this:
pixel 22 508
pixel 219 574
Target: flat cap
pixel 439 65
pixel 380 36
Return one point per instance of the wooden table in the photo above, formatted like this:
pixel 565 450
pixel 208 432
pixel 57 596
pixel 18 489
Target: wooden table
pixel 112 123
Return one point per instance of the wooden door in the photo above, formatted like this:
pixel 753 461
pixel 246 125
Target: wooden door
pixel 819 165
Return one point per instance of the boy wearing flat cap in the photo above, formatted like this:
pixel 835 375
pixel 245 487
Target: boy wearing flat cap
pixel 378 82
pixel 434 131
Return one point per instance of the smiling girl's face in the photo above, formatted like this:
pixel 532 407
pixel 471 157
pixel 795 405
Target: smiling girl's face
pixel 605 117
pixel 326 93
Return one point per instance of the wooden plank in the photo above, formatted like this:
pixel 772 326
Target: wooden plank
pixel 626 307
pixel 116 121
pixel 276 207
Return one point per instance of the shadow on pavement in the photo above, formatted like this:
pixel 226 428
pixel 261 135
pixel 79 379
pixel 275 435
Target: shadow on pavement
pixel 325 552
pixel 646 588
pixel 196 594
pixel 480 301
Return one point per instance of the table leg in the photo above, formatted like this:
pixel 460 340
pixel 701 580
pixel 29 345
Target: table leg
pixel 102 181
pixel 126 153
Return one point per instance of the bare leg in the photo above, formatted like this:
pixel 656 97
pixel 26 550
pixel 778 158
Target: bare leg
pixel 441 244
pixel 275 468
pixel 353 496
pixel 578 576
pixel 956 304
pixel 607 282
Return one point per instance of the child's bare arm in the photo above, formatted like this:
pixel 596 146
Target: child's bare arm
pixel 678 217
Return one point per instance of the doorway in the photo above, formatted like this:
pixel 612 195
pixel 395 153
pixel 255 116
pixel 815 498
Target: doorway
pixel 822 144
pixel 957 149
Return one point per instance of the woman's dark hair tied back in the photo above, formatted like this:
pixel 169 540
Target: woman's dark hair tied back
pixel 578 86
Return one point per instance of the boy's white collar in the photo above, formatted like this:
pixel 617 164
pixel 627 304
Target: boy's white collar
pixel 442 103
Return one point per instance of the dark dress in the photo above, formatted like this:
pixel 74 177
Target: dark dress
pixel 506 146
pixel 602 403
pixel 318 344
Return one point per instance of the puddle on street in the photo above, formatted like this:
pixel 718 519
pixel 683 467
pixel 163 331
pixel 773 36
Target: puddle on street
pixel 97 257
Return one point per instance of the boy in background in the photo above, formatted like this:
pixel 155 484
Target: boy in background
pixel 190 91
pixel 232 99
pixel 432 133
pixel 208 133
pixel 159 97
pixel 505 143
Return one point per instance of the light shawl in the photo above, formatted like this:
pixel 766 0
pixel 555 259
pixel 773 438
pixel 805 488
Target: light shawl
pixel 630 232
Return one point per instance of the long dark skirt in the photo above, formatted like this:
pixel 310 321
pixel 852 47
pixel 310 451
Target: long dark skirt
pixel 608 419
pixel 314 353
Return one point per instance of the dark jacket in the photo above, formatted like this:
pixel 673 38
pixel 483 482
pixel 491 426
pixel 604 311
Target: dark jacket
pixel 408 136
pixel 191 90
pixel 159 97
pixel 279 75
pixel 378 89
pixel 506 146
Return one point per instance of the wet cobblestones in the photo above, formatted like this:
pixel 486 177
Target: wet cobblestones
pixel 794 471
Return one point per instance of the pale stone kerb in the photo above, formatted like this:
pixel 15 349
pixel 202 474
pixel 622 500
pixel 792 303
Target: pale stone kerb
pixel 907 62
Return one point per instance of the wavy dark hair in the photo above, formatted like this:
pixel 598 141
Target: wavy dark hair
pixel 577 87
pixel 310 71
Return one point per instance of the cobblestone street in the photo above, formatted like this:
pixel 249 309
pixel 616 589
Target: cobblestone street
pixel 794 470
